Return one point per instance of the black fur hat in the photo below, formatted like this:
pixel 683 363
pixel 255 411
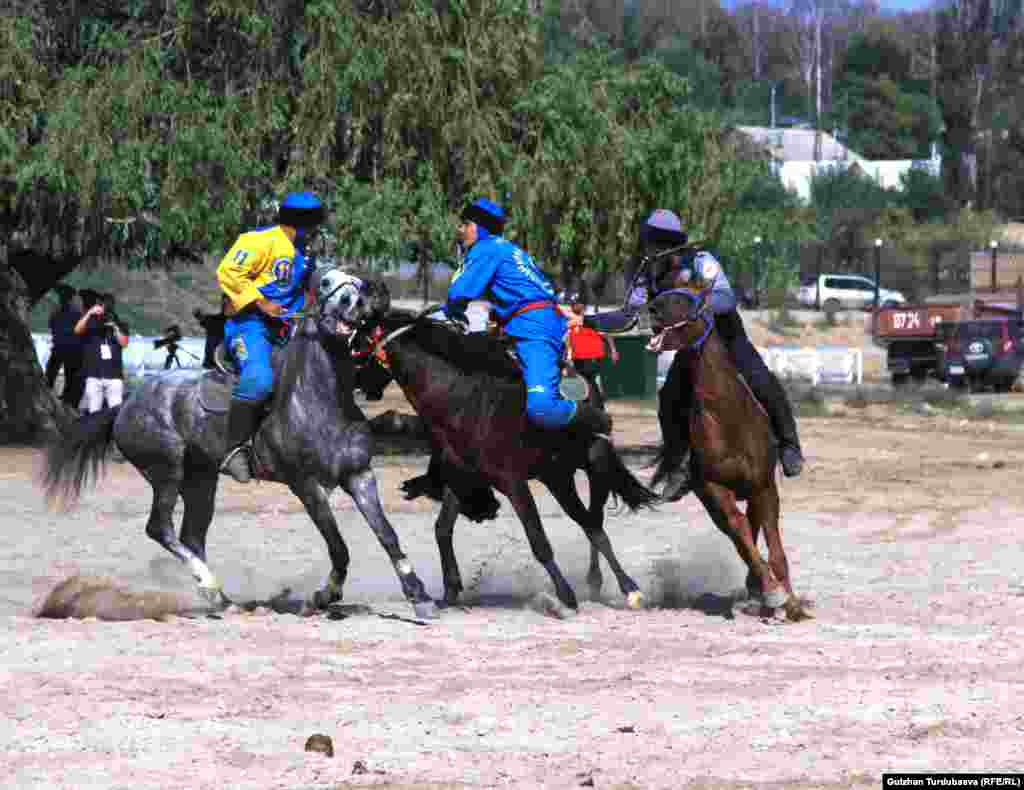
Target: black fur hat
pixel 301 210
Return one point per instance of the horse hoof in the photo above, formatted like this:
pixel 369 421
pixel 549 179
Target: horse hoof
pixel 426 610
pixel 322 599
pixel 795 612
pixel 547 604
pixel 635 600
pixel 215 597
pixel 775 598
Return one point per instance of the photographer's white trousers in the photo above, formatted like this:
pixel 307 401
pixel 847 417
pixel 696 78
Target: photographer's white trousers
pixel 96 390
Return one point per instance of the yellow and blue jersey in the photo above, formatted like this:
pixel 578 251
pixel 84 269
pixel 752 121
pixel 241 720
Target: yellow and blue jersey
pixel 264 264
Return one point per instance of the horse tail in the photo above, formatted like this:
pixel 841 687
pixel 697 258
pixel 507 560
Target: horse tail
pixel 621 481
pixel 76 457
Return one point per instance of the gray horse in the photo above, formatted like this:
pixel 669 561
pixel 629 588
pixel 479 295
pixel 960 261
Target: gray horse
pixel 313 438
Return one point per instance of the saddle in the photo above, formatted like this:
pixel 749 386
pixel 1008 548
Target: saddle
pixel 571 385
pixel 216 384
pixel 215 389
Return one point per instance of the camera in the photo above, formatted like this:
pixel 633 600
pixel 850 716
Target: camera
pixel 171 336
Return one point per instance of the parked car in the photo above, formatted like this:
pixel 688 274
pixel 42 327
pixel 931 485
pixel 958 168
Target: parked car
pixel 979 353
pixel 845 292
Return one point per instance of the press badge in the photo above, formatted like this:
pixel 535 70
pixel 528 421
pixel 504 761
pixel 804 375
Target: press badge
pixel 105 351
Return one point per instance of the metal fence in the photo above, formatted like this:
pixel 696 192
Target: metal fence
pixel 940 271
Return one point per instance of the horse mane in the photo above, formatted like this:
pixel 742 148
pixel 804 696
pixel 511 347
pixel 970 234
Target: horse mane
pixel 291 360
pixel 472 353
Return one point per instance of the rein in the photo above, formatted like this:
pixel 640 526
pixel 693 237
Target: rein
pixel 645 264
pixel 378 340
pixel 704 313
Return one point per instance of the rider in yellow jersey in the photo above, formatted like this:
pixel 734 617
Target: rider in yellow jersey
pixel 264 278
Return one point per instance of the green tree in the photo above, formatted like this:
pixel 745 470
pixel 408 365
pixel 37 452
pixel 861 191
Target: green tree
pixel 923 194
pixel 886 113
pixel 845 202
pixel 153 132
pixel 963 53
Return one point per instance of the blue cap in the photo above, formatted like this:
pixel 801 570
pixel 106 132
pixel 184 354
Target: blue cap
pixel 301 210
pixel 487 215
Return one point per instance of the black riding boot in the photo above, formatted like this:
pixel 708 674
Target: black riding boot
pixel 674 466
pixel 591 419
pixel 675 399
pixel 243 419
pixel 784 423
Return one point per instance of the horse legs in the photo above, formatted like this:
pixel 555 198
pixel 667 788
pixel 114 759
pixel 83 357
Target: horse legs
pixel 198 493
pixel 526 508
pixel 563 488
pixel 362 487
pixel 444 529
pixel 160 528
pixel 315 499
pixel 721 505
pixel 763 511
pixel 753 583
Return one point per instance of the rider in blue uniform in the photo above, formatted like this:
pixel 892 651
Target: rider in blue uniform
pixel 497 270
pixel 697 268
pixel 263 277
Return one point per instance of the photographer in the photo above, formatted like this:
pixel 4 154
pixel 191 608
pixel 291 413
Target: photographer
pixel 103 336
pixel 67 347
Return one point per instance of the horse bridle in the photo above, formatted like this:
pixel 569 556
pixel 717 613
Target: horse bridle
pixel 378 340
pixel 704 312
pixel 645 265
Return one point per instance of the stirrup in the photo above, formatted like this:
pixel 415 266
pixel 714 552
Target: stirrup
pixel 248 458
pixel 796 464
pixel 678 484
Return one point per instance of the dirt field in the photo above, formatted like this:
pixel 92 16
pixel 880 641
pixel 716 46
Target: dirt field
pixel 904 534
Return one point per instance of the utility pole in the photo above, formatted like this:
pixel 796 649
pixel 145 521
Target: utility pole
pixel 994 245
pixel 819 21
pixel 878 271
pixel 756 38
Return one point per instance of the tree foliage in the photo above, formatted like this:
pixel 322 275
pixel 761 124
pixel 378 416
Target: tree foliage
pixel 887 112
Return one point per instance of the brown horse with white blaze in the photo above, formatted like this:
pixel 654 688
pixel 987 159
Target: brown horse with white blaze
pixel 734 451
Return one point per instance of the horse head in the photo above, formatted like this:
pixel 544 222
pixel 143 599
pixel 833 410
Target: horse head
pixel 681 319
pixel 347 303
pixel 349 306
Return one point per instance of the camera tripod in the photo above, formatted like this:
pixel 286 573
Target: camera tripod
pixel 172 356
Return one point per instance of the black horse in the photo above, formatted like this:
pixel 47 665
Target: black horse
pixel 313 438
pixel 470 395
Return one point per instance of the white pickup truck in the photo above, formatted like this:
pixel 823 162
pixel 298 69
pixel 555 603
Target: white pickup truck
pixel 845 292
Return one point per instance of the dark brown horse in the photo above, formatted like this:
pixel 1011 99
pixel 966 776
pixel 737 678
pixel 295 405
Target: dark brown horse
pixel 734 452
pixel 471 399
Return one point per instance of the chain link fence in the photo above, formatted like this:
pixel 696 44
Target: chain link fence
pixel 938 272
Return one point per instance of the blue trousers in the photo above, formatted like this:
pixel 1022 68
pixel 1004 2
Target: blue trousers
pixel 250 339
pixel 541 359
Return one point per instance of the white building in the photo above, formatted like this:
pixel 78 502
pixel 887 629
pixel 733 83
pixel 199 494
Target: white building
pixel 792 152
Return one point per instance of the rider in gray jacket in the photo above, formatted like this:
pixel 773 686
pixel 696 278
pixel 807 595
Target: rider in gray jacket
pixel 663 238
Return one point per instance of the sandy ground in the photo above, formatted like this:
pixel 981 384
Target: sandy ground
pixel 903 534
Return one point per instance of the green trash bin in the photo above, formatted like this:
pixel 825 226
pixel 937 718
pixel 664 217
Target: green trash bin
pixel 636 374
